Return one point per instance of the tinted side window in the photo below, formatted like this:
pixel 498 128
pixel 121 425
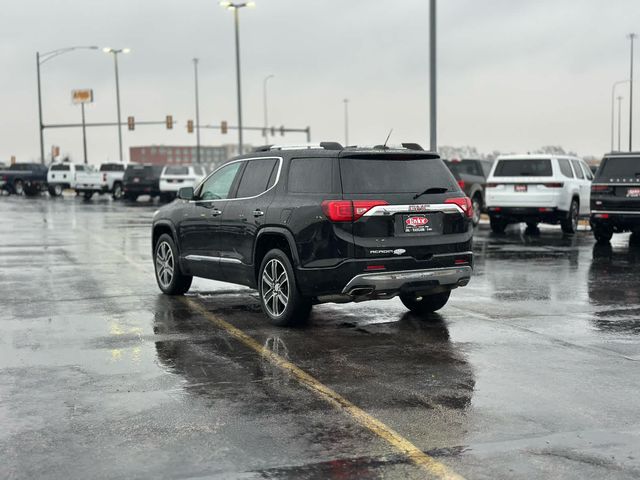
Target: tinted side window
pixel 565 167
pixel 218 185
pixel 255 178
pixel 587 171
pixel 60 168
pixel 576 167
pixel 311 175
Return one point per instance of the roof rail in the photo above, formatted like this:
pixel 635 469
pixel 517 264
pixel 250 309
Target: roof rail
pixel 324 145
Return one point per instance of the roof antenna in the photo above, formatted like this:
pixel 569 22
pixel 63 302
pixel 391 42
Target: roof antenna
pixel 385 142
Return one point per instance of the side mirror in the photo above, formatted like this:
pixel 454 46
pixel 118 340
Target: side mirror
pixel 185 193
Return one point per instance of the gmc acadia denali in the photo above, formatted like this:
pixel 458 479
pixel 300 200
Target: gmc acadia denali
pixel 321 223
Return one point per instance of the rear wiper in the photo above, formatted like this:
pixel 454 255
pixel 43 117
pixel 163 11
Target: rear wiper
pixel 431 190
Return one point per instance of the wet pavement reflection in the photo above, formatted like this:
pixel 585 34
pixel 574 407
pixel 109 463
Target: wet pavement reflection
pixel 532 371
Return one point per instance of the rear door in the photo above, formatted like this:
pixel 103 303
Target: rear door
pixel 584 186
pixel 407 223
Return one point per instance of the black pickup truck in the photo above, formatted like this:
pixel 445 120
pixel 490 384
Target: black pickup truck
pixel 471 176
pixel 24 178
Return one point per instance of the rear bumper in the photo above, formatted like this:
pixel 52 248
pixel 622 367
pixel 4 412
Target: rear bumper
pixel 619 221
pixel 528 214
pixel 142 189
pixel 389 284
pixel 88 187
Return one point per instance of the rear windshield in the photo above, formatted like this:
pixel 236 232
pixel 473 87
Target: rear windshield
pixel 394 176
pixel 146 171
pixel 628 167
pixel 177 171
pixel 60 168
pixel 111 167
pixel 523 168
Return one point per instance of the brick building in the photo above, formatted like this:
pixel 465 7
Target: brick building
pixel 211 156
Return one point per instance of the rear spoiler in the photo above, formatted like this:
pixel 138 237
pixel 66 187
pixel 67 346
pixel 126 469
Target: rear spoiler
pixel 389 154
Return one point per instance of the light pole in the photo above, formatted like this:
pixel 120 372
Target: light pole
pixel 433 126
pixel 632 36
pixel 613 99
pixel 115 52
pixel 195 71
pixel 236 7
pixel 40 59
pixel 619 118
pixel 266 115
pixel 346 122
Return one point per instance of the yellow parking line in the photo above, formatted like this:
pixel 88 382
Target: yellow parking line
pixel 416 455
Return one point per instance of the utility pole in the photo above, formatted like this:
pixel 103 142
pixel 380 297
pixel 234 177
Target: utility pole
pixel 84 135
pixel 115 53
pixel 433 126
pixel 238 82
pixel 346 122
pixel 266 106
pixel 632 36
pixel 195 69
pixel 40 110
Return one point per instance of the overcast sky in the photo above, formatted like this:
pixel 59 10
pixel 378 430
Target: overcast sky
pixel 513 75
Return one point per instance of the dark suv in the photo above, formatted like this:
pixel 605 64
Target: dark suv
pixel 615 196
pixel 471 176
pixel 141 180
pixel 321 224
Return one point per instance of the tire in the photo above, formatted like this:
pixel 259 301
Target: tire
pixel 426 303
pixel 476 202
pixel 603 234
pixel 87 195
pixel 285 307
pixel 55 190
pixel 497 225
pixel 117 191
pixel 31 191
pixel 570 223
pixel 167 270
pixel 18 187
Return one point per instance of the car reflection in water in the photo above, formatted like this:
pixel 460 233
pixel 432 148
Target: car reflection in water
pixel 408 371
pixel 614 288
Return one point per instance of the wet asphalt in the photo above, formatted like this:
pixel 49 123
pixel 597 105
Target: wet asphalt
pixel 532 371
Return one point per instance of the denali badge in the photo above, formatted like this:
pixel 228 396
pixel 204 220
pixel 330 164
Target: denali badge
pixel 399 251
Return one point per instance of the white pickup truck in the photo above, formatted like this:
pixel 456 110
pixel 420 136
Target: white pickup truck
pixel 108 179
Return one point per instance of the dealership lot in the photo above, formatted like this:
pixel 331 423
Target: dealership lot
pixel 532 370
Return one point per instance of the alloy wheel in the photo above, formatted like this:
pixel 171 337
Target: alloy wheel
pixel 57 190
pixel 574 216
pixel 164 264
pixel 477 207
pixel 275 287
pixel 18 187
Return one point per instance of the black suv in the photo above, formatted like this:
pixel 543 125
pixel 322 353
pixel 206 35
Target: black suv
pixel 615 196
pixel 472 178
pixel 141 180
pixel 321 224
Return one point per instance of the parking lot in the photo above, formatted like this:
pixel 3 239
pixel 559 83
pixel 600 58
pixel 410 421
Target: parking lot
pixel 531 371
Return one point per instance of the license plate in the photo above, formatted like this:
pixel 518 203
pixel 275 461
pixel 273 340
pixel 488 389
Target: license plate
pixel 633 193
pixel 136 180
pixel 520 188
pixel 418 223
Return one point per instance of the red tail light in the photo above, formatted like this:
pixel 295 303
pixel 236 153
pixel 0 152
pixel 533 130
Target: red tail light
pixel 104 177
pixel 461 184
pixel 554 185
pixel 601 189
pixel 464 203
pixel 348 210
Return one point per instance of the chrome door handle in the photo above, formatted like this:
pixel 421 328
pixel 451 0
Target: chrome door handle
pixel 258 213
pixel 216 212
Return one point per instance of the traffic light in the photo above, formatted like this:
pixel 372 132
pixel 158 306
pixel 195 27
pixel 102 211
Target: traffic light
pixel 282 130
pixel 264 132
pixel 131 123
pixel 224 128
pixel 273 131
pixel 189 126
pixel 169 122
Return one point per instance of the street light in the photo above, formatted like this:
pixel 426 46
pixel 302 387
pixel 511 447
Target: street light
pixel 266 116
pixel 620 97
pixel 40 59
pixel 613 98
pixel 236 7
pixel 632 36
pixel 433 112
pixel 115 52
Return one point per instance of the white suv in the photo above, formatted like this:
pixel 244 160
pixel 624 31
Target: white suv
pixel 538 189
pixel 174 177
pixel 63 175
